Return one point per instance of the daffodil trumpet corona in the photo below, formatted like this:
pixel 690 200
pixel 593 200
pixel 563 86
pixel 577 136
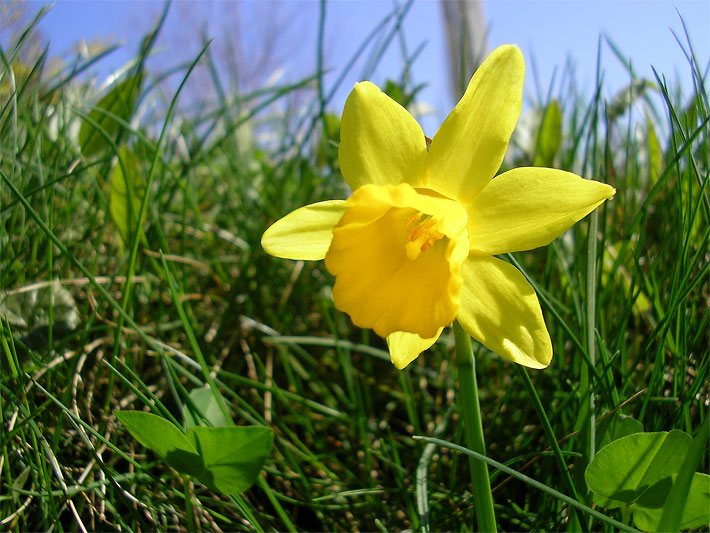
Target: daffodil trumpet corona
pixel 413 248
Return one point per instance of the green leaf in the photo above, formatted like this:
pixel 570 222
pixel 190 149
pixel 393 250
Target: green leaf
pixel 394 91
pixel 104 122
pixel 696 513
pixel 127 191
pixel 233 456
pixel 164 438
pixel 616 426
pixel 35 309
pixel 227 459
pixel 327 152
pixel 615 271
pixel 655 156
pixel 550 136
pixel 674 515
pixel 636 464
pixel 400 93
pixel 18 484
pixel 626 97
pixel 29 309
pixel 207 408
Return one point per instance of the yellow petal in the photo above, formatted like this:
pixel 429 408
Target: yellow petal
pixel 529 207
pixel 396 257
pixel 469 147
pixel 304 233
pixel 406 347
pixel 380 142
pixel 500 309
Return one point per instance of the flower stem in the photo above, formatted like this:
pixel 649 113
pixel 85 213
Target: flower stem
pixel 470 412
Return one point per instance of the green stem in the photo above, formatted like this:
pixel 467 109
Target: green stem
pixel 470 412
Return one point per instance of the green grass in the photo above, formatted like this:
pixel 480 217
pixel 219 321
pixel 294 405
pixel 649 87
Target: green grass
pixel 90 324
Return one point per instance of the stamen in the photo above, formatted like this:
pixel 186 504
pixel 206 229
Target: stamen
pixel 421 235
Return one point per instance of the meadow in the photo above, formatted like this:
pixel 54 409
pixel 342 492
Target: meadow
pixel 132 278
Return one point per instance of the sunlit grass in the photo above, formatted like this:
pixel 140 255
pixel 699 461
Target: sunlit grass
pixel 93 321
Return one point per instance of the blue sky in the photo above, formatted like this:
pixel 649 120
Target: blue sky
pixel 548 31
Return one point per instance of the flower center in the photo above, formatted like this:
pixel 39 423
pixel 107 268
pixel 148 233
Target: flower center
pixel 396 255
pixel 421 234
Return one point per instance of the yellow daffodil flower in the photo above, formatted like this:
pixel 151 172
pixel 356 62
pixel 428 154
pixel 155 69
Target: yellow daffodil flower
pixel 413 248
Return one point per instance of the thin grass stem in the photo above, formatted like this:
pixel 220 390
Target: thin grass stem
pixel 550 434
pixel 526 479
